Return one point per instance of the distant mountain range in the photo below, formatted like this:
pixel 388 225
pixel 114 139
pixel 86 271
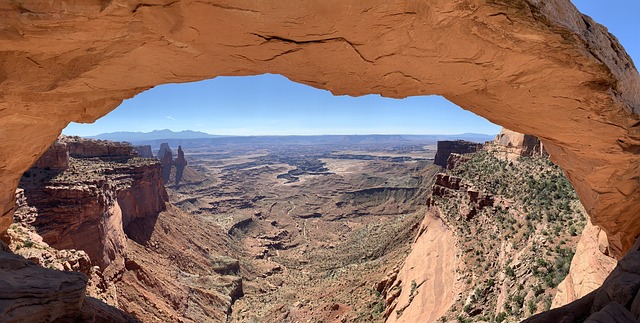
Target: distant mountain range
pixel 135 137
pixel 197 138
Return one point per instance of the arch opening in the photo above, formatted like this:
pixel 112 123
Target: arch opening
pixel 294 195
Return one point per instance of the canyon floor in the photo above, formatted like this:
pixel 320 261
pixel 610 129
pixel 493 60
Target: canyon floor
pixel 303 230
pixel 315 228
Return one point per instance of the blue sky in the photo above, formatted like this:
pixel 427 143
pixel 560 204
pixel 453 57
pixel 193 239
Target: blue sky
pixel 277 106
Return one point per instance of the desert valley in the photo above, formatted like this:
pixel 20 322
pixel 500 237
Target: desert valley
pixel 304 229
pixel 538 222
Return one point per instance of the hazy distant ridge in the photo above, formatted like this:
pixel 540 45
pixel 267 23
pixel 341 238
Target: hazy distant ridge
pixel 197 138
pixel 134 137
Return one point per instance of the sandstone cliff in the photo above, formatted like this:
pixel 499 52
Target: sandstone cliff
pixel 144 151
pixel 111 210
pixel 497 216
pixel 448 147
pixel 590 266
pixel 80 67
pixel 617 300
pixel 90 204
pixel 512 145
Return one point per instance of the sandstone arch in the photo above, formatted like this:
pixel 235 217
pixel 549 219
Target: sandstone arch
pixel 538 67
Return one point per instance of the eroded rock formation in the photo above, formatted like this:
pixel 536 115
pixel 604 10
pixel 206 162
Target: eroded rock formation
pixel 90 204
pixel 88 59
pixel 512 145
pixel 617 300
pixel 144 151
pixel 448 147
pixel 180 163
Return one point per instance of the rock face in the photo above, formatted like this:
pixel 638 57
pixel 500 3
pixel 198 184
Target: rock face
pixel 56 157
pixel 617 300
pixel 164 147
pixel 475 200
pixel 89 205
pixel 448 147
pixel 144 151
pixel 166 160
pixel 174 170
pixel 590 266
pixel 418 293
pixel 512 145
pixel 86 148
pixel 180 163
pixel 42 295
pixel 80 67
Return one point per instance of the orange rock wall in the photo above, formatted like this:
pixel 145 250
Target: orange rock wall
pixel 515 62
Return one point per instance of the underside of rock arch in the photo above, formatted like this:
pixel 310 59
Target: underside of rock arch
pixel 537 67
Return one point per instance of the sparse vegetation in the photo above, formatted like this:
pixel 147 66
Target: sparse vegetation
pixel 535 209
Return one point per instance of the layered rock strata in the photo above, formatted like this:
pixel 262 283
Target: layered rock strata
pixel 144 151
pixel 448 147
pixel 512 145
pixel 90 204
pixel 67 62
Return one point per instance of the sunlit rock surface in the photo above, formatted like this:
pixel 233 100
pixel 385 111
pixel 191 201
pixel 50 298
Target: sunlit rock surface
pixel 536 67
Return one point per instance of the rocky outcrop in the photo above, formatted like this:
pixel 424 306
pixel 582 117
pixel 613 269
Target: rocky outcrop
pixel 166 160
pixel 418 293
pixel 512 145
pixel 180 163
pixel 41 295
pixel 86 148
pixel 89 205
pixel 164 147
pixel 144 151
pixel 56 157
pixel 175 171
pixel 447 186
pixel 617 300
pixel 456 159
pixel 448 147
pixel 590 266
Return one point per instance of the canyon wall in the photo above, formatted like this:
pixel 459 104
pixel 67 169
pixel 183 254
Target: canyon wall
pixel 512 145
pixel 514 62
pixel 89 204
pixel 448 147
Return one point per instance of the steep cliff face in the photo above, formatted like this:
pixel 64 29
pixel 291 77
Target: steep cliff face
pixel 419 293
pixel 89 204
pixel 144 151
pixel 448 147
pixel 617 300
pixel 81 65
pixel 488 220
pixel 590 266
pixel 111 210
pixel 512 145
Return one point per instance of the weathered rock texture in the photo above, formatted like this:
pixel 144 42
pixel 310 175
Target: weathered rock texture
pixel 448 147
pixel 590 266
pixel 144 151
pixel 86 148
pixel 180 163
pixel 56 157
pixel 25 288
pixel 472 201
pixel 515 62
pixel 512 145
pixel 419 293
pixel 617 300
pixel 90 205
